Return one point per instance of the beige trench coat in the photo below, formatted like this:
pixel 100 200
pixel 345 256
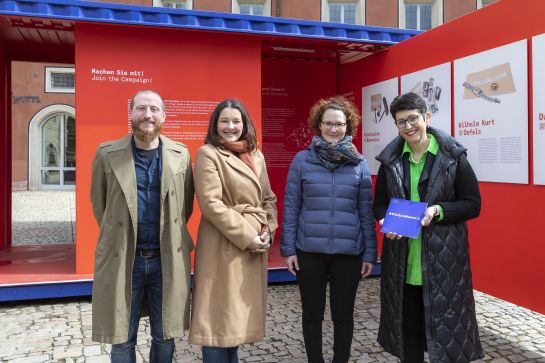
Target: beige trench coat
pixel 230 292
pixel 115 203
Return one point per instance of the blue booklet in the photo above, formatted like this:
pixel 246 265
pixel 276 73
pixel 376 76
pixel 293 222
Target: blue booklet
pixel 404 217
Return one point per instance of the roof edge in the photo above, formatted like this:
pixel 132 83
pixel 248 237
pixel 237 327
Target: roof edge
pixel 112 13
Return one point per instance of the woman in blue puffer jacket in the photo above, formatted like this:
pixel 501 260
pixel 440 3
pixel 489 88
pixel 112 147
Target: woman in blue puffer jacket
pixel 328 229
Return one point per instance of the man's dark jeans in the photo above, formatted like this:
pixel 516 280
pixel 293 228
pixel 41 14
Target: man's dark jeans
pixel 146 275
pixel 219 355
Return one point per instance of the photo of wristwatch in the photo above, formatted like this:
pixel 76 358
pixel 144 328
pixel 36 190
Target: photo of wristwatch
pixel 480 93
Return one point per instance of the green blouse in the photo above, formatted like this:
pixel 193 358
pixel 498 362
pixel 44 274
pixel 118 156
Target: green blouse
pixel 414 258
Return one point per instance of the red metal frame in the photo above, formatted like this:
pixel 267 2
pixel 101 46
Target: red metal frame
pixel 5 180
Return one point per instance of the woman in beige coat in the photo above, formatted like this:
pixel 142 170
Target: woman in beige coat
pixel 238 222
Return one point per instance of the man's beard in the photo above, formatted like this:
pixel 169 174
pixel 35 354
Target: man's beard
pixel 145 136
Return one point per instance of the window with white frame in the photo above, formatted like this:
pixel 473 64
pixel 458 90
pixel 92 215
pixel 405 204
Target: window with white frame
pixel 60 79
pixel 58 150
pixel 174 4
pixel 252 7
pixel 418 16
pixel 342 12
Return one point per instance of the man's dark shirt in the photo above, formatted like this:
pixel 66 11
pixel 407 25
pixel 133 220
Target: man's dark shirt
pixel 148 166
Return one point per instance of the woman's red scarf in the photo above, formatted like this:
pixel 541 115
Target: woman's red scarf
pixel 241 148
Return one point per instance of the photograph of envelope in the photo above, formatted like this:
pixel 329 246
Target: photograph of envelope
pixel 376 101
pixel 497 80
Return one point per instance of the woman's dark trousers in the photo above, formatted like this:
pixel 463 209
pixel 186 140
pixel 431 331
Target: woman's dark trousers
pixel 413 326
pixel 344 274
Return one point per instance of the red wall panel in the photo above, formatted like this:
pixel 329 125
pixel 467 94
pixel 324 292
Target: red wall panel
pixel 5 178
pixel 507 254
pixel 191 70
pixel 289 89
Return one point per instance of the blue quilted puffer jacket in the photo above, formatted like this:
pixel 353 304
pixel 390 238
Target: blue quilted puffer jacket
pixel 328 211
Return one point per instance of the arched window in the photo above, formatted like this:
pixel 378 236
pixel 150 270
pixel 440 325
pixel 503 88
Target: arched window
pixel 58 152
pixel 51 136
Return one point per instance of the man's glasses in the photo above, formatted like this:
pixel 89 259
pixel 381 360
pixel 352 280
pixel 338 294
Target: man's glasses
pixel 402 123
pixel 330 125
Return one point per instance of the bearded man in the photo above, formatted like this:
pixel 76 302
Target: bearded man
pixel 142 196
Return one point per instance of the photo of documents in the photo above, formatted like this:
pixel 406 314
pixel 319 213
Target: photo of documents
pixel 433 85
pixel 430 92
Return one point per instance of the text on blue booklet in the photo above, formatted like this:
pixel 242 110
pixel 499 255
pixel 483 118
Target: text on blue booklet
pixel 404 217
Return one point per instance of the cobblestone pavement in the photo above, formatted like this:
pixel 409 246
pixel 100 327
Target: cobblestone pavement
pixel 60 331
pixel 43 217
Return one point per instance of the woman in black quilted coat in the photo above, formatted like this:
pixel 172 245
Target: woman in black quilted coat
pixel 426 289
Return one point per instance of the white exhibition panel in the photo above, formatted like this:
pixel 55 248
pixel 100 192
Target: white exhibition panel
pixel 378 126
pixel 538 112
pixel 491 112
pixel 434 86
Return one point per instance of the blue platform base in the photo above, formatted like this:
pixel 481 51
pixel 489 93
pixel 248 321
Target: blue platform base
pixel 46 290
pixel 85 287
pixel 283 275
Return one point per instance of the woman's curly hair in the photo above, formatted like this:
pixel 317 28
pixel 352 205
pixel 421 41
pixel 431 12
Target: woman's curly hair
pixel 336 103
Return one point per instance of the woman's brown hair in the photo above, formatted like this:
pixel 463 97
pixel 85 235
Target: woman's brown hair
pixel 248 129
pixel 340 103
